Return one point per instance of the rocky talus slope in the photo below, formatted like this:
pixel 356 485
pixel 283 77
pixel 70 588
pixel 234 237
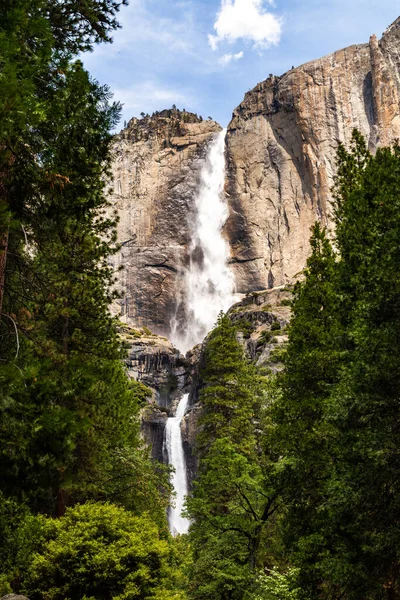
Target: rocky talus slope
pixel 281 152
pixel 155 178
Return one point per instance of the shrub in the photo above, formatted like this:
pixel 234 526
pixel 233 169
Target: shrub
pixel 277 355
pixel 285 302
pixel 265 337
pixel 245 327
pixel 278 586
pixel 99 551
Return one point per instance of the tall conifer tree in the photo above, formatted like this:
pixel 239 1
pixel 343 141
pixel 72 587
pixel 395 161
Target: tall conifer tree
pixel 233 498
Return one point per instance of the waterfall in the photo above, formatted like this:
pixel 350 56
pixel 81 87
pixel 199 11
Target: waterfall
pixel 206 288
pixel 176 458
pixel 208 283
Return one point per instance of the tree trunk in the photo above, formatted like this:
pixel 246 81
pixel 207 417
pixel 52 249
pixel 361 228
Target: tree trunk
pixel 65 335
pixel 254 545
pixel 4 226
pixel 3 262
pixel 61 503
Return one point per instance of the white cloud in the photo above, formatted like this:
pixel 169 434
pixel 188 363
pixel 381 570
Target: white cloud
pixel 227 58
pixel 246 19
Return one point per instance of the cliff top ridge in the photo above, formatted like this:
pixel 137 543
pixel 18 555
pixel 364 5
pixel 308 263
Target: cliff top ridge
pixel 390 42
pixel 168 123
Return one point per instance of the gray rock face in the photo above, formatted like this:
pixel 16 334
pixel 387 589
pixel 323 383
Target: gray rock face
pixel 156 175
pixel 14 597
pixel 190 429
pixel 281 152
pixel 154 422
pixel 155 362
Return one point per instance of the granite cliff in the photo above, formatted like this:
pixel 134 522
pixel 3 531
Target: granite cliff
pixel 155 176
pixel 280 162
pixel 281 150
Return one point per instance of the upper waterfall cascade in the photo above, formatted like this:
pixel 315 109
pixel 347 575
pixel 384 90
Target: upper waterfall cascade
pixel 207 282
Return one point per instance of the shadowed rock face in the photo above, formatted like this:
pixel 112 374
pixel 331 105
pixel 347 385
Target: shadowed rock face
pixel 156 175
pixel 281 152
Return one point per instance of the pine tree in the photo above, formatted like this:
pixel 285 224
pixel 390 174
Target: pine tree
pixel 366 401
pixel 68 414
pixel 233 498
pixel 306 438
pixel 338 416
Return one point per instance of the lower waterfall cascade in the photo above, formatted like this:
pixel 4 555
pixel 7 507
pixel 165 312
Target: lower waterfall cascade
pixel 176 458
pixel 208 283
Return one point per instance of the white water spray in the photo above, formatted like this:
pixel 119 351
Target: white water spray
pixel 208 283
pixel 176 458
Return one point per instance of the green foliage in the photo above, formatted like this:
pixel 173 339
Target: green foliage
pixel 233 498
pixel 16 545
pixel 265 337
pixel 279 586
pixel 278 354
pixel 69 416
pixel 285 302
pixel 100 551
pixel 338 412
pixel 245 327
pixel 311 363
pixel 147 331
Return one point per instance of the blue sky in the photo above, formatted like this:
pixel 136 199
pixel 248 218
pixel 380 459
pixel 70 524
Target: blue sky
pixel 203 55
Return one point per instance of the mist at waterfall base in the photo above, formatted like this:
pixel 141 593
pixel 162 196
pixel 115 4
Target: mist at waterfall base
pixel 176 457
pixel 206 288
pixel 207 284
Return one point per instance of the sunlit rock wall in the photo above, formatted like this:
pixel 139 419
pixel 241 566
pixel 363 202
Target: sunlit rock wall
pixel 156 168
pixel 281 152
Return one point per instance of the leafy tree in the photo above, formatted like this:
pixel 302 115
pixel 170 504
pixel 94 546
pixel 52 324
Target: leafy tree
pixel 276 585
pixel 100 551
